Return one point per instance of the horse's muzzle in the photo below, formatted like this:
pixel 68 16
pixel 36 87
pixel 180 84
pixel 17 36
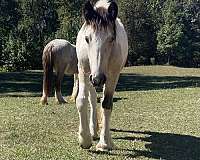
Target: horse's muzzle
pixel 98 80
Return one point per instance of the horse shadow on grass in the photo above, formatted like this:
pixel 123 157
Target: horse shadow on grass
pixel 18 84
pixel 158 145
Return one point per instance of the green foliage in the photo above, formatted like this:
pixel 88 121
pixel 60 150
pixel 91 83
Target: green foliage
pixel 171 33
pixel 9 16
pixel 68 15
pixel 23 48
pixel 159 31
pixel 15 53
pixel 192 30
pixel 141 35
pixel 176 36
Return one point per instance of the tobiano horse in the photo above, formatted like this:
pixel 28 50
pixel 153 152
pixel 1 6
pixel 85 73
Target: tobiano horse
pixel 59 55
pixel 102 49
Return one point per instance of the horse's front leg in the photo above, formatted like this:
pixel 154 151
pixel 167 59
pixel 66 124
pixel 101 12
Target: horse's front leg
pixel 93 111
pixel 85 139
pixel 105 142
pixel 75 88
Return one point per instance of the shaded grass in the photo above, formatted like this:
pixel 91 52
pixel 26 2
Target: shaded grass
pixel 155 116
pixel 28 83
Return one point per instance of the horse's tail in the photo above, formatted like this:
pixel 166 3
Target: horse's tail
pixel 47 61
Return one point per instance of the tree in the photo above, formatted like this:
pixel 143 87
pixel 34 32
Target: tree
pixel 140 29
pixel 69 15
pixel 192 27
pixel 178 37
pixel 9 17
pixel 165 30
pixel 25 44
pixel 170 34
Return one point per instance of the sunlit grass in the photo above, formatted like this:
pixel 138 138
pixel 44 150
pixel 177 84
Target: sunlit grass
pixel 156 115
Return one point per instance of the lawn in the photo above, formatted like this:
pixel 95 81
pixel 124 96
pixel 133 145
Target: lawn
pixel 156 115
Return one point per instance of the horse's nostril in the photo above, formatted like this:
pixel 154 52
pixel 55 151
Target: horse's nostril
pixel 90 77
pixel 98 80
pixel 103 79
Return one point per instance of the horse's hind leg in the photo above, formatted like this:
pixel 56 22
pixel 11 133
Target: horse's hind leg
pixel 43 99
pixel 58 95
pixel 46 89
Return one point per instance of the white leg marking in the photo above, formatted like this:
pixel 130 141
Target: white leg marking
pixel 85 139
pixel 43 100
pixel 105 142
pixel 93 111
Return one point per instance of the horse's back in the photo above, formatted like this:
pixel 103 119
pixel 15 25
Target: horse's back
pixel 64 55
pixel 61 46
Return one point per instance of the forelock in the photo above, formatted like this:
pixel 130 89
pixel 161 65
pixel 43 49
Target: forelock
pixel 101 18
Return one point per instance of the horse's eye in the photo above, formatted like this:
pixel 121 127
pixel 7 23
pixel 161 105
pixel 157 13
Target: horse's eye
pixel 87 39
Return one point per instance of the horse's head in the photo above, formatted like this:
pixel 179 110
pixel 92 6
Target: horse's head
pixel 100 36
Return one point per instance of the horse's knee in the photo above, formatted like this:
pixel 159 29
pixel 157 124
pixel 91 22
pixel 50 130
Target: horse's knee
pixel 80 103
pixel 107 102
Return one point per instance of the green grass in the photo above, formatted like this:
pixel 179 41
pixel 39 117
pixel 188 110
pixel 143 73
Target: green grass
pixel 156 115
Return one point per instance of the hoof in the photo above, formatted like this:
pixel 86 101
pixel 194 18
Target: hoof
pixel 85 142
pixel 104 147
pixel 43 101
pixel 85 146
pixel 61 101
pixel 72 99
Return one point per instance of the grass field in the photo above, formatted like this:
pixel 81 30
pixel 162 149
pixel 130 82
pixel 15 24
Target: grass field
pixel 156 115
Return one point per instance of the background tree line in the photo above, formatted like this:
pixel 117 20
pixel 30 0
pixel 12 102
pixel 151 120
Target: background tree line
pixel 159 31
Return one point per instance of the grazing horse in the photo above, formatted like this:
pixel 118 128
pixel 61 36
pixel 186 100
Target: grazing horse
pixel 102 49
pixel 61 56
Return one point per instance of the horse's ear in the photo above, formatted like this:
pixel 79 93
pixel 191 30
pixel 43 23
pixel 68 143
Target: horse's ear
pixel 113 10
pixel 88 11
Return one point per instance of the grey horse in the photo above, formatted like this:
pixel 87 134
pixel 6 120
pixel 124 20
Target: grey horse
pixel 59 55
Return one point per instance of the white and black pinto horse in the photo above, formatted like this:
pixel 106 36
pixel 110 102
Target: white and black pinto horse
pixel 102 49
pixel 61 56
